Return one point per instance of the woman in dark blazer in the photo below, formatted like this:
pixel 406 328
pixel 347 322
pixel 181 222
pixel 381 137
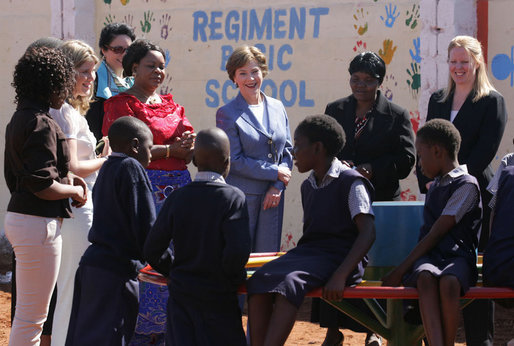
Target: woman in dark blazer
pixel 478 111
pixel 379 144
pixel 379 136
pixel 260 147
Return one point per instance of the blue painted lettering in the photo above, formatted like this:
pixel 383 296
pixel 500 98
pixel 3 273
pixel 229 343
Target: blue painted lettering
pixel 317 12
pixel 226 50
pixel 214 101
pixel 215 25
pixel 288 83
pixel 199 23
pixel 279 23
pixel 303 102
pixel 286 48
pixel 232 30
pixel 269 83
pixel 224 93
pixel 250 25
pixel 257 28
pixel 297 23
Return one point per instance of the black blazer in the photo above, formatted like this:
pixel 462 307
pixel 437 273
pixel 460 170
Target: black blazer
pixel 387 143
pixel 481 125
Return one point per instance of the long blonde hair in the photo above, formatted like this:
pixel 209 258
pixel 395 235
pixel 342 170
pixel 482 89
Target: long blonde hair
pixel 481 86
pixel 79 52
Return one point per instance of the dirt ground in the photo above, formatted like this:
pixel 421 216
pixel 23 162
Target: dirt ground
pixel 304 332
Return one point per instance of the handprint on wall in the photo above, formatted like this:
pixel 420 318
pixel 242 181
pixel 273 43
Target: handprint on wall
pixel 391 15
pixel 388 85
pixel 414 120
pixel 165 25
pixel 289 243
pixel 124 2
pixel 166 85
pixel 387 52
pixel 167 57
pixel 415 55
pixel 360 46
pixel 415 78
pixel 408 195
pixel 109 19
pixel 359 16
pixel 146 24
pixel 412 17
pixel 128 19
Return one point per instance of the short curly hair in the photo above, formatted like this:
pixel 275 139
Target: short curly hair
pixel 242 56
pixel 443 133
pixel 42 73
pixel 325 129
pixel 137 51
pixel 110 31
pixel 370 63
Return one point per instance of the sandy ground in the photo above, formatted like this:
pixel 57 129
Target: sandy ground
pixel 304 332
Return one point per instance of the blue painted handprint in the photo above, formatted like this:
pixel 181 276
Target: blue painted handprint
pixel 391 15
pixel 167 57
pixel 416 54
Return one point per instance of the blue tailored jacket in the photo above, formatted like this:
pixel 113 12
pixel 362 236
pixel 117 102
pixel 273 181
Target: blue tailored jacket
pixel 255 152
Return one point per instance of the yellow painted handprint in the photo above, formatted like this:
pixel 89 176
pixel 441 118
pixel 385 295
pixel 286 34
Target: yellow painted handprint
pixel 358 16
pixel 388 51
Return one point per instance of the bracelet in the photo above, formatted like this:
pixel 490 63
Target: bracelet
pixel 168 151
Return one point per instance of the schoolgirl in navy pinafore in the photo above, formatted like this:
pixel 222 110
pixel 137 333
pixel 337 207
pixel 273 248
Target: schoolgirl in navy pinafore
pixel 328 235
pixel 455 254
pixel 498 267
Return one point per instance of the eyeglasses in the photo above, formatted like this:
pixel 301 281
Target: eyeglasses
pixel 368 83
pixel 117 49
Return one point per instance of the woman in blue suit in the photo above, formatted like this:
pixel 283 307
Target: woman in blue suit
pixel 260 147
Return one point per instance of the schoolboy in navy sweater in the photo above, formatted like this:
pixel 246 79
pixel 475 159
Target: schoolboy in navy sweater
pixel 208 223
pixel 105 300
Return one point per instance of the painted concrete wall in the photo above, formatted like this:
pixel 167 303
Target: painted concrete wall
pixel 501 62
pixel 308 44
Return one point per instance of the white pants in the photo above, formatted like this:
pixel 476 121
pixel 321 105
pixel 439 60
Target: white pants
pixel 74 243
pixel 37 245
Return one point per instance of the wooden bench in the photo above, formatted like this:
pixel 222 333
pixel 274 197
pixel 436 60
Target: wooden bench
pixel 397 229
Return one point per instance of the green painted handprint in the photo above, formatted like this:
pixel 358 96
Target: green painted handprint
pixel 107 2
pixel 388 51
pixel 415 78
pixel 412 21
pixel 109 20
pixel 146 24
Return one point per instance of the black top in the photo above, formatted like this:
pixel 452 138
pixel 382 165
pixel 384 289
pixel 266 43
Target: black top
pixel 499 256
pixel 208 223
pixel 480 124
pixel 387 142
pixel 36 154
pixel 124 213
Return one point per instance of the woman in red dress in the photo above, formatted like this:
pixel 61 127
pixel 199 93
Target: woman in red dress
pixel 172 132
